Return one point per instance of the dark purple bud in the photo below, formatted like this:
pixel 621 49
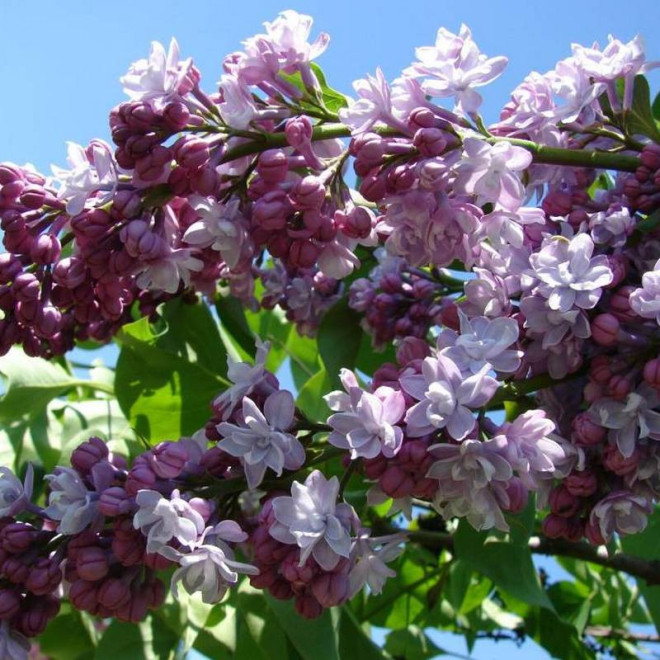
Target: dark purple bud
pixel 84 595
pixel 581 484
pixel 48 321
pixel 373 187
pixel 563 503
pixel 167 459
pixel 45 249
pixel 303 254
pixel 114 502
pixel 88 454
pixel 154 592
pixel 26 288
pixel 308 193
pixel 45 576
pixel 126 204
pixel 33 620
pixel 92 563
pixel 33 197
pixel 191 153
pixel 10 602
pixel 273 166
pixel 430 142
pixel 605 329
pixel 155 164
pixel 176 116
pixel 330 589
pixel 395 482
pixel 651 372
pixel 18 536
pixel 114 593
pixel 10 267
pixel 15 570
pixel 298 131
pixel 554 527
pixel 135 609
pixel 308 607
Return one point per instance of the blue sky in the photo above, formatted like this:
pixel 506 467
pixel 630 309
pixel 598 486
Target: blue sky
pixel 60 62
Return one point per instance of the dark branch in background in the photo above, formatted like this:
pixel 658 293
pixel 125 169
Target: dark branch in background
pixel 648 570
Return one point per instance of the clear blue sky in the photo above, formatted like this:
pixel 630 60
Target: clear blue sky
pixel 60 62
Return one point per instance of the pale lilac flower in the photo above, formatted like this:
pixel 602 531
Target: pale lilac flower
pixel 569 276
pixel 69 501
pixel 370 557
pixel 312 520
pixel 445 397
pixel 611 227
pixel 454 67
pixel 485 342
pixel 159 79
pixel 622 512
pixel 576 89
pixel 529 447
pixel 369 428
pixel 93 170
pixel 220 227
pixel 507 227
pixel 13 645
pixel 210 567
pixel 237 107
pixel 245 378
pixel 467 474
pixel 486 295
pixel 337 260
pixel 161 519
pixel 14 495
pixel 645 302
pixel 261 441
pixel 374 104
pixel 631 419
pixel 488 171
pixel 552 325
pixel 169 271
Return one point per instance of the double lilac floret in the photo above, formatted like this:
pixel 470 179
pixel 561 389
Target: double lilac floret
pixel 312 520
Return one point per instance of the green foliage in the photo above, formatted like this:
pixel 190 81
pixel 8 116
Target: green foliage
pixel 639 120
pixel 167 373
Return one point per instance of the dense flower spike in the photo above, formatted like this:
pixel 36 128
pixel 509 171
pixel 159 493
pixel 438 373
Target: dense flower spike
pixel 512 267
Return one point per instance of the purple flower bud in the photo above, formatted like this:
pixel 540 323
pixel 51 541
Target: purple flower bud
pixel 330 589
pixel 176 116
pixel 33 620
pixel 84 595
pixel 135 609
pixel 70 272
pixel 18 536
pixel 518 495
pixel 563 503
pixel 114 502
pixel 357 223
pixel 650 156
pixel 273 166
pixel 91 224
pixel 46 249
pixel 48 321
pixel 619 386
pixel 400 178
pixel 167 459
pixel 592 532
pixel 554 527
pixel 155 164
pixel 191 153
pixel 586 431
pixel 125 204
pixel 308 193
pixel 10 603
pixel 140 477
pixel 26 288
pixel 430 142
pixel 303 254
pixel 88 454
pixel 581 484
pixel 114 593
pixel 308 607
pixel 271 210
pixel 395 482
pixel 92 563
pixel 557 202
pixel 10 267
pixel 373 187
pixel 615 461
pixel 45 576
pixel 33 197
pixel 298 131
pixel 422 118
pixel 652 372
pixel 15 570
pixel 154 592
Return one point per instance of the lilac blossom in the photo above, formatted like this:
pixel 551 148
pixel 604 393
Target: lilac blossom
pixel 312 520
pixel 552 325
pixel 631 419
pixel 220 227
pixel 622 512
pixel 486 295
pixel 167 272
pixel 569 276
pixel 261 441
pixel 13 645
pixel 482 342
pixel 237 107
pixel 159 79
pixel 445 397
pixel 611 227
pixel 467 472
pixel 161 519
pixel 454 67
pixel 70 502
pixel 93 170
pixel 529 447
pixel 575 88
pixel 245 378
pixel 210 567
pixel 14 495
pixel 370 556
pixel 489 172
pixel 369 428
pixel 374 104
pixel 506 227
pixel 645 301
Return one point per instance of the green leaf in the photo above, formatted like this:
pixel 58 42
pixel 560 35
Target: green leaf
pixel 645 545
pixel 332 99
pixel 272 325
pixel 31 384
pixel 507 564
pixel 66 638
pixel 148 640
pixel 313 640
pixel 165 380
pixel 655 108
pixel 639 119
pixel 572 602
pixel 412 644
pixel 339 339
pixel 310 399
pixel 232 317
pixel 354 640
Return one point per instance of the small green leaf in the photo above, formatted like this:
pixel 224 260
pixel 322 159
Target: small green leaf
pixel 332 99
pixel 412 644
pixel 166 378
pixel 639 119
pixel 66 638
pixel 655 108
pixel 232 317
pixel 310 398
pixel 339 339
pixel 508 565
pixel 149 640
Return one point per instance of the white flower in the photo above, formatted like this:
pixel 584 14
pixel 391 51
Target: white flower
pixel 168 272
pixel 14 495
pixel 161 519
pixel 262 442
pixel 210 567
pixel 69 501
pixel 92 170
pixel 157 80
pixel 313 521
pixel 371 556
